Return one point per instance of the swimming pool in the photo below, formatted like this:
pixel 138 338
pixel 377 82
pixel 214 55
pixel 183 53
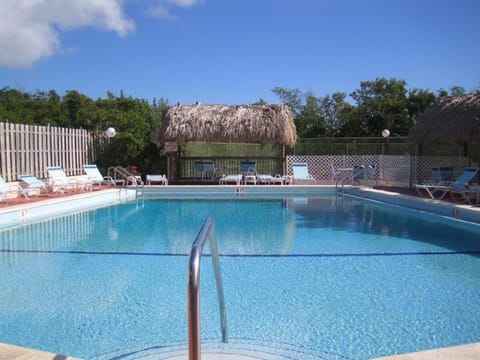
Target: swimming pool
pixel 321 277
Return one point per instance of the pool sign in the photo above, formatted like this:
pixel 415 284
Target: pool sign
pixel 171 146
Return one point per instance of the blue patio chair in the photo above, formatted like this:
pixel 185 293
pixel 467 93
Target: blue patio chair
pixel 248 168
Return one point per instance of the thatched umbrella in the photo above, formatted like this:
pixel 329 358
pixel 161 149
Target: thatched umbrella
pixel 449 120
pixel 223 123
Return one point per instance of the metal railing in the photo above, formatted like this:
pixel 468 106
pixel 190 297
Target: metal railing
pixel 193 296
pixel 119 172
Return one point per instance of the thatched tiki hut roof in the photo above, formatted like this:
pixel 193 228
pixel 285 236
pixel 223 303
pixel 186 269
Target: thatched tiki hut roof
pixel 449 120
pixel 222 123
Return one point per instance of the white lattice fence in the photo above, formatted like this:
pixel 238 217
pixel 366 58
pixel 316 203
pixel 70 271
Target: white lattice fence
pixel 391 170
pixel 422 166
pixel 320 166
pixel 394 170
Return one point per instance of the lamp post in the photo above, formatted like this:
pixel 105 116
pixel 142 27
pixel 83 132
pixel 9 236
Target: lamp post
pixel 386 134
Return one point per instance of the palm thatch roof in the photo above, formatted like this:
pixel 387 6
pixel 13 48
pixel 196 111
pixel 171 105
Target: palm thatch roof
pixel 449 120
pixel 223 123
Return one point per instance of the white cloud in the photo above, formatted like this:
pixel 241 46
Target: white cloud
pixel 161 12
pixel 161 9
pixel 185 3
pixel 29 29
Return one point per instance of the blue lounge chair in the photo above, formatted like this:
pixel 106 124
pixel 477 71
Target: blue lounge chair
pixel 461 190
pixel 459 187
pixel 442 175
pixel 205 169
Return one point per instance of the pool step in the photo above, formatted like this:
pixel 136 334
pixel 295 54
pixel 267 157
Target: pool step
pixel 243 350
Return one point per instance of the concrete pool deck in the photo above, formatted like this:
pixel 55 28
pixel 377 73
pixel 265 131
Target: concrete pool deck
pixel 11 352
pixel 18 214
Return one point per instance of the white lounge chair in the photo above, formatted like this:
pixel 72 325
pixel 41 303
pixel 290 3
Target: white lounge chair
pixel 58 180
pixel 228 179
pixel 270 180
pixel 459 187
pixel 8 192
pixel 301 173
pixel 31 185
pixel 162 179
pixel 96 177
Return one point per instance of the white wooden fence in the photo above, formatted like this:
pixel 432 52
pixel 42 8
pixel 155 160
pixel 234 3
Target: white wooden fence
pixel 29 149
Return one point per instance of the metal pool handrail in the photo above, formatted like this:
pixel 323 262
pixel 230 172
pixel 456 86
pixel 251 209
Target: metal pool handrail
pixel 193 296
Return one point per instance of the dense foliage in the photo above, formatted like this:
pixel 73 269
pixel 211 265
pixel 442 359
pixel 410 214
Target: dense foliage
pixel 379 104
pixel 134 120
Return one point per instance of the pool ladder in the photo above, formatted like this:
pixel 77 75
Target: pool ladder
pixel 193 296
pixel 131 180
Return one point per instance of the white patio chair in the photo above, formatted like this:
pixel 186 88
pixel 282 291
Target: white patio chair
pixel 58 180
pixel 31 185
pixel 96 177
pixel 162 179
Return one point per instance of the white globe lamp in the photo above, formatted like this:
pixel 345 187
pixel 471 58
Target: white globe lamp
pixel 386 134
pixel 110 132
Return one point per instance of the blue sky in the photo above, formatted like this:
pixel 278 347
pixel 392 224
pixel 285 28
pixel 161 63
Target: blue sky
pixel 236 52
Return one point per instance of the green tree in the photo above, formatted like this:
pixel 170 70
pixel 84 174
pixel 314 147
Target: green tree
pixel 16 106
pixel 78 110
pixel 336 113
pixel 457 90
pixel 381 104
pixel 418 101
pixel 306 111
pixel 292 98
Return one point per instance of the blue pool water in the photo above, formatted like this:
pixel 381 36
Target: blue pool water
pixel 333 278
